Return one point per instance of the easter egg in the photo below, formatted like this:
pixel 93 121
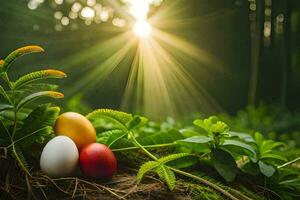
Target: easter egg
pixel 97 161
pixel 77 127
pixel 59 157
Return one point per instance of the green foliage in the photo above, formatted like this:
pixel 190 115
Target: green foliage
pixel 163 171
pixel 224 164
pixel 21 127
pixel 17 53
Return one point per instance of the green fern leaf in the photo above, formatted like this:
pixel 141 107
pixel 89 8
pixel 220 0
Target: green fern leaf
pixel 19 156
pixel 167 176
pixel 20 52
pixel 172 157
pixel 38 75
pixel 38 95
pixel 121 118
pixel 37 126
pixel 146 167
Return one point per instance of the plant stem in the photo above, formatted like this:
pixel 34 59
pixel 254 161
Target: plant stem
pixel 288 163
pixel 141 146
pixel 146 146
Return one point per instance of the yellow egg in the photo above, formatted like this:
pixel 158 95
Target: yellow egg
pixel 76 127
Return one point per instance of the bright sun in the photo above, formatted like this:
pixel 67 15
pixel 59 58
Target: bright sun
pixel 142 29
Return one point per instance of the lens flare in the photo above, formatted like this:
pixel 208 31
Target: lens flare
pixel 142 29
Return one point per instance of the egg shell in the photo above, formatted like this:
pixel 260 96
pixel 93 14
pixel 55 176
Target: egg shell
pixel 59 157
pixel 77 127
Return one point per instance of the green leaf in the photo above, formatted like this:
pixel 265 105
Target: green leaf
pixel 224 164
pixel 115 136
pixel 167 176
pixel 38 95
pixel 266 169
pixel 243 136
pixel 240 145
pixel 4 107
pixel 37 126
pixel 160 138
pixel 258 138
pixel 146 167
pixel 38 75
pixel 20 52
pixel 136 122
pixel 273 156
pixel 121 118
pixel 219 127
pixel 197 139
pixel 184 162
pixel 251 168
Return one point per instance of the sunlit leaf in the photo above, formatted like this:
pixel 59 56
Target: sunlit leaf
pixel 20 52
pixel 37 95
pixel 38 75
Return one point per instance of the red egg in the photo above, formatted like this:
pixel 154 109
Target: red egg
pixel 97 161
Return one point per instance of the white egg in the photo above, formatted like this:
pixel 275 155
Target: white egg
pixel 59 157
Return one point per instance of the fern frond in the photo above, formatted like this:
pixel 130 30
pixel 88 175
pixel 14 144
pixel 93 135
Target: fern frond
pixel 37 126
pixel 118 117
pixel 34 96
pixel 38 75
pixel 20 52
pixel 167 176
pixel 172 157
pixel 146 167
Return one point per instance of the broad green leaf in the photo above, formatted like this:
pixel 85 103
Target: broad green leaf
pixel 37 126
pixel 243 136
pixel 258 138
pixel 121 118
pixel 34 96
pixel 161 138
pixel 202 126
pixel 38 75
pixel 20 52
pixel 273 156
pixel 184 162
pixel 267 170
pixel 251 168
pixel 240 145
pixel 224 164
pixel 199 144
pixel 167 176
pixel 146 167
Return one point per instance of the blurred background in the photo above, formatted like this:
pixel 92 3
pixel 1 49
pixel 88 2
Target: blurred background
pixel 186 56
